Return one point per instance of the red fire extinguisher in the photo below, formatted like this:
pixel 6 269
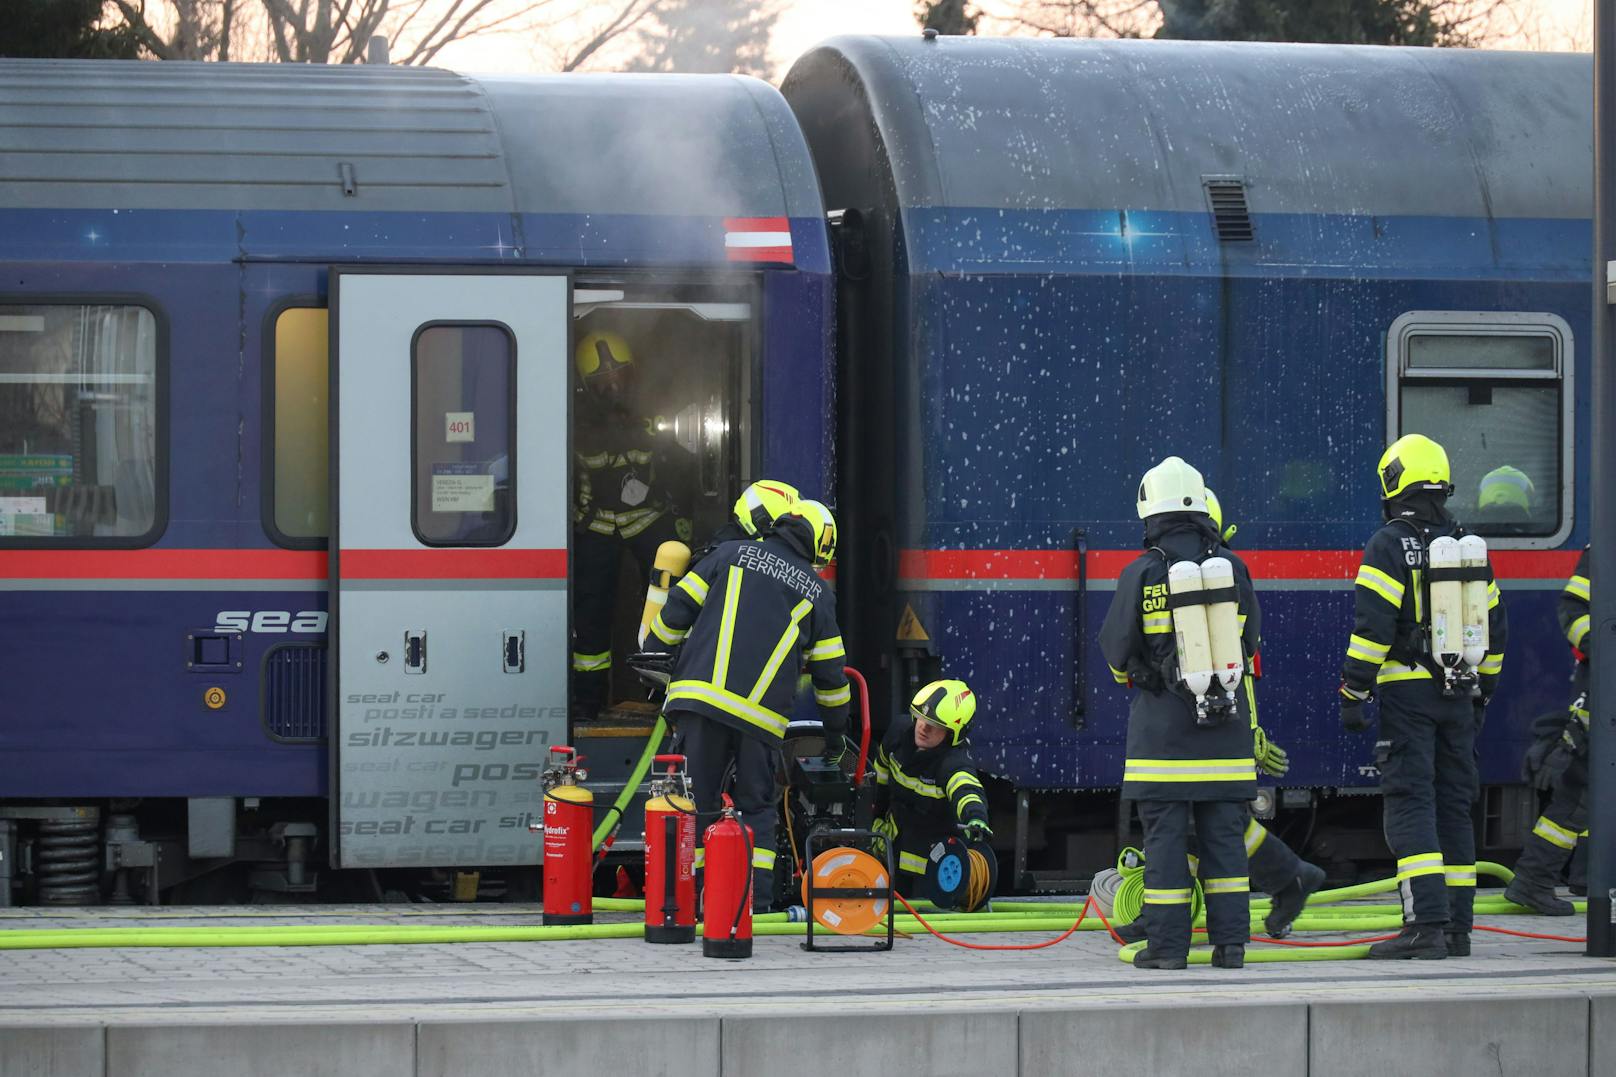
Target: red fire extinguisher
pixel 727 890
pixel 670 855
pixel 568 829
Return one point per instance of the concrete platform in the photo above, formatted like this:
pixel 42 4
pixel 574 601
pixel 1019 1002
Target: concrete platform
pixel 1516 1006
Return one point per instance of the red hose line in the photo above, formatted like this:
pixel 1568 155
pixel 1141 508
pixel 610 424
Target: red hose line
pixel 864 716
pixel 1530 935
pixel 1062 937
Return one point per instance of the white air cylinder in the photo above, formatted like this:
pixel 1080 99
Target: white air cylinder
pixel 1447 605
pixel 1223 624
pixel 1189 628
pixel 1473 554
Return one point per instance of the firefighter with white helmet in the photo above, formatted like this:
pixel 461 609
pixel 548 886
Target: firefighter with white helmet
pixel 1405 650
pixel 1189 748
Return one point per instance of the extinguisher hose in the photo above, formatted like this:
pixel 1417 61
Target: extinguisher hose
pixel 607 830
pixel 746 891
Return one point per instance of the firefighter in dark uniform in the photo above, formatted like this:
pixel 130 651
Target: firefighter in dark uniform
pixel 926 785
pixel 746 620
pixel 1557 761
pixel 1181 769
pixel 631 484
pixel 1426 751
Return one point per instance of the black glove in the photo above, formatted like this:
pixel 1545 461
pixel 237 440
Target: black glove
pixel 977 832
pixel 1353 718
pixel 1478 707
pixel 835 749
pixel 1144 677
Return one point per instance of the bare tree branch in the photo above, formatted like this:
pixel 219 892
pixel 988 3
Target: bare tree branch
pixel 631 13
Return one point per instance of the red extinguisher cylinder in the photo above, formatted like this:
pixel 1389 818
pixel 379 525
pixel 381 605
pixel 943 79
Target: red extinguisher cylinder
pixel 727 888
pixel 568 830
pixel 670 856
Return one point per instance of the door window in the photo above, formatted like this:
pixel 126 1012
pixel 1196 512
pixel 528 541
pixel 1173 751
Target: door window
pixel 464 401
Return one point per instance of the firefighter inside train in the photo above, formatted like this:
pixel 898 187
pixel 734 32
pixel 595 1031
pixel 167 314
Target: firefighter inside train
pixel 1504 502
pixel 745 620
pixel 927 788
pixel 1274 869
pixel 633 488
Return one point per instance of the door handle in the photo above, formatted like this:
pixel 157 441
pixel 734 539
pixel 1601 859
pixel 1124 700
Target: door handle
pixel 515 650
pixel 414 651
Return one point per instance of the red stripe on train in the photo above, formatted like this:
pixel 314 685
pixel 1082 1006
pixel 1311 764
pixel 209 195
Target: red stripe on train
pixel 167 564
pixel 455 564
pixel 1265 564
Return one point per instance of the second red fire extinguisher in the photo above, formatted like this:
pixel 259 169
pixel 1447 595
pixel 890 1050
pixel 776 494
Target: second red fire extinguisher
pixel 726 900
pixel 569 822
pixel 670 855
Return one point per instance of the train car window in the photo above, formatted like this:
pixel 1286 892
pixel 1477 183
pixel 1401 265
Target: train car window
pixel 302 380
pixel 1495 390
pixel 464 434
pixel 79 424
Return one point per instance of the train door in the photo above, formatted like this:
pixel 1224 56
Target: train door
pixel 449 548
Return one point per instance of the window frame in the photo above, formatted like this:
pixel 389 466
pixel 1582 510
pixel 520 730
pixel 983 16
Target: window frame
pixel 160 398
pixel 268 357
pixel 1399 376
pixel 510 420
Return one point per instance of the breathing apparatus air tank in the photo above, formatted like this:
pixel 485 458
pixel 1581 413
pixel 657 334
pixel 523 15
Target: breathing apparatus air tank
pixel 1473 559
pixel 568 825
pixel 672 559
pixel 1447 607
pixel 1184 585
pixel 726 900
pixel 1223 622
pixel 670 855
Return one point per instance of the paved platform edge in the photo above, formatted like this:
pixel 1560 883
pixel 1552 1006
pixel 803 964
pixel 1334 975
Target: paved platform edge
pixel 1546 1035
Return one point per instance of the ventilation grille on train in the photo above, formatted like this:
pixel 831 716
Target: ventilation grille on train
pixel 294 692
pixel 1230 215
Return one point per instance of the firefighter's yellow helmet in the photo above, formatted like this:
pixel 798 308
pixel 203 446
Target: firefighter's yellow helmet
pixel 1214 509
pixel 1413 461
pixel 761 503
pixel 1506 488
pixel 1171 486
pixel 949 704
pixel 602 352
pixel 823 525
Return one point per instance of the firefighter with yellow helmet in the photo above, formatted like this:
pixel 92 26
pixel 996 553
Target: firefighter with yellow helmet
pixel 753 516
pixel 1181 629
pixel 745 620
pixel 632 492
pixel 1421 581
pixel 926 783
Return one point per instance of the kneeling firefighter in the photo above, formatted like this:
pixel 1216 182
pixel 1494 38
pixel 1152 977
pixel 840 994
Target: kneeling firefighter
pixel 1557 762
pixel 1180 629
pixel 926 786
pixel 745 620
pixel 1428 640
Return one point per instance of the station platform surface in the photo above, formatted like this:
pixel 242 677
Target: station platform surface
pixel 623 1006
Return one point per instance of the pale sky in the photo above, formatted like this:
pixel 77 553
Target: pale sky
pixel 1537 24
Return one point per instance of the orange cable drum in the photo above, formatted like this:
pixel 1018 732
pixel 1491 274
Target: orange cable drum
pixel 853 869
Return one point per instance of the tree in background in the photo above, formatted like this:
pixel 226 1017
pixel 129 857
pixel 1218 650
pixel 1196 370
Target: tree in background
pixel 63 29
pixel 952 17
pixel 707 36
pixel 339 31
pixel 1372 22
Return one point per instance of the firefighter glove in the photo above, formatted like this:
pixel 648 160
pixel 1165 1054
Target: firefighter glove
pixel 977 832
pixel 1353 718
pixel 1271 758
pixel 1479 708
pixel 835 749
pixel 683 528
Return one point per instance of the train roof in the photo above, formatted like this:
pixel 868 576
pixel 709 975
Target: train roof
pixel 82 134
pixel 1028 124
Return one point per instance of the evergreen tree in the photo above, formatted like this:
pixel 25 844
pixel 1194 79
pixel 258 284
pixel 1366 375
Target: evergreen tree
pixel 948 16
pixel 1351 22
pixel 62 29
pixel 708 36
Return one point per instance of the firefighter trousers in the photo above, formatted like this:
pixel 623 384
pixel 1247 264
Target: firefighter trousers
pixel 709 748
pixel 1428 781
pixel 1219 828
pixel 1554 838
pixel 1274 865
pixel 596 561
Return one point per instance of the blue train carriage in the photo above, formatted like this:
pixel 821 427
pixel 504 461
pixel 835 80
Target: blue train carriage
pixel 1060 261
pixel 247 309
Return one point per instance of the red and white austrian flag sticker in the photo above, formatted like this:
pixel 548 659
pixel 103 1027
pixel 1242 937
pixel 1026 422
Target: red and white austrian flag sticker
pixel 757 239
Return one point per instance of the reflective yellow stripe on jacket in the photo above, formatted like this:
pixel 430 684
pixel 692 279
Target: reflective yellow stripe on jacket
pixel 1190 770
pixel 730 703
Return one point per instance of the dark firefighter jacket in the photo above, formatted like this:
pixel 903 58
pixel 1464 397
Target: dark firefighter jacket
pixel 746 619
pixel 927 790
pixel 730 532
pixel 1390 640
pixel 1574 613
pixel 626 474
pixel 1169 756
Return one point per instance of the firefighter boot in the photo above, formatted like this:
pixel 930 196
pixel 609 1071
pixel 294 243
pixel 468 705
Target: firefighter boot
pixel 1289 902
pixel 1229 956
pixel 1422 942
pixel 1540 864
pixel 1145 959
pixel 1132 931
pixel 1457 942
